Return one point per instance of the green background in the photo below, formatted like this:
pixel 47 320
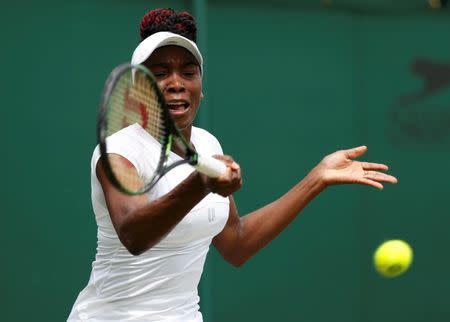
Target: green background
pixel 286 83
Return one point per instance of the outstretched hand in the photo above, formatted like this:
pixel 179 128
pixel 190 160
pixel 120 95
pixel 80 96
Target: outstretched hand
pixel 340 168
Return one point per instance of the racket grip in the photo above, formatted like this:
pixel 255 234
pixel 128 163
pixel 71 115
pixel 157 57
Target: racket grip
pixel 210 166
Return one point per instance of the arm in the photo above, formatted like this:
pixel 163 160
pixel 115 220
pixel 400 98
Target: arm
pixel 141 224
pixel 244 236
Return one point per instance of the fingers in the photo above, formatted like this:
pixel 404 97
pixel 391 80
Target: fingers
pixel 230 181
pixel 228 160
pixel 374 179
pixel 372 176
pixel 371 183
pixel 379 176
pixel 233 169
pixel 355 152
pixel 374 166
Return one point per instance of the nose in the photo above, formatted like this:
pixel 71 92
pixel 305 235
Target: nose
pixel 175 84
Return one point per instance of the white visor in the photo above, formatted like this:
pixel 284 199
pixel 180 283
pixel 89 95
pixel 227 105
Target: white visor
pixel 164 38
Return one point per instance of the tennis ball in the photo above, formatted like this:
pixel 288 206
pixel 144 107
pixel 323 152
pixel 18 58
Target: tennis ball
pixel 392 258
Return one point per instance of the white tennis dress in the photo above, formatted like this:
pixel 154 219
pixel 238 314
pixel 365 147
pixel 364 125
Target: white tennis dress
pixel 161 283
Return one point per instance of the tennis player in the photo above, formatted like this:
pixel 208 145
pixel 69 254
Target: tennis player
pixel 151 248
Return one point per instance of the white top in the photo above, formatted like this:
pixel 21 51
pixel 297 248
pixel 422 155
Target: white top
pixel 161 283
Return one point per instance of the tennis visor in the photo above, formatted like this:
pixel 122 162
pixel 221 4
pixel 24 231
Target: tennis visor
pixel 164 38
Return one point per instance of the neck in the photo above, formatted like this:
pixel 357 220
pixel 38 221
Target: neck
pixel 181 151
pixel 186 133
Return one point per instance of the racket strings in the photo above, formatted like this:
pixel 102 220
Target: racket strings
pixel 144 93
pixel 133 101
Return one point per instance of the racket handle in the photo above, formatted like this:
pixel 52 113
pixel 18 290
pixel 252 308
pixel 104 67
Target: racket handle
pixel 210 166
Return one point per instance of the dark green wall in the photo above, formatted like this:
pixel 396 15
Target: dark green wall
pixel 283 84
pixel 321 81
pixel 401 57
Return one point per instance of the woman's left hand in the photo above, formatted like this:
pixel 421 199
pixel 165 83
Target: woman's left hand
pixel 340 168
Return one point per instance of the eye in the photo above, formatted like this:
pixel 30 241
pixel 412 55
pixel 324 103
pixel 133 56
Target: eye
pixel 160 74
pixel 190 71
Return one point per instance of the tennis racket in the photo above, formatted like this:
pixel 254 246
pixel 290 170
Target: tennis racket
pixel 131 97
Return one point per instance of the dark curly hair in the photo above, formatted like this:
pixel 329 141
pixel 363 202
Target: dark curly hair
pixel 181 23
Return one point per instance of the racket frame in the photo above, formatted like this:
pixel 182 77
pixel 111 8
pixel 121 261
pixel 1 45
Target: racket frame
pixel 172 133
pixel 109 87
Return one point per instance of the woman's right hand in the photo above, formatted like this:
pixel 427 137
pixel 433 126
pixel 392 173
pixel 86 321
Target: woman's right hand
pixel 227 183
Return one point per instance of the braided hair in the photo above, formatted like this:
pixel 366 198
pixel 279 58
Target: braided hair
pixel 181 23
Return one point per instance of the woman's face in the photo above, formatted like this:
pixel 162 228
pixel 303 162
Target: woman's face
pixel 178 75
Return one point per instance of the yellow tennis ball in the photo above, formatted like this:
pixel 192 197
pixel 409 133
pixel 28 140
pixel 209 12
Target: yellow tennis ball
pixel 392 258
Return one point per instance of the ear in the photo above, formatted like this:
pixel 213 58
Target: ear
pixel 201 95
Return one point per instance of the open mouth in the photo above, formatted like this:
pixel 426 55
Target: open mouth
pixel 178 107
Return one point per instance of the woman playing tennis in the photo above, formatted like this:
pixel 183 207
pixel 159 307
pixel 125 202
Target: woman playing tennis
pixel 151 248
